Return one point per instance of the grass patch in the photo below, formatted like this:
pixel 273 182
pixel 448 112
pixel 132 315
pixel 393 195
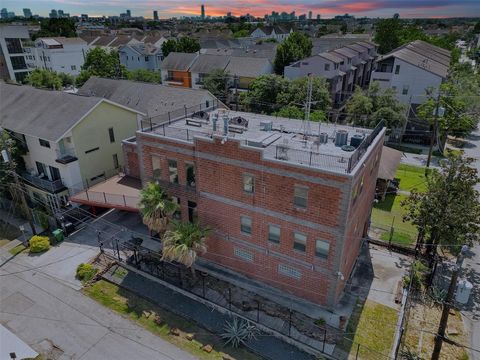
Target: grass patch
pixel 4 242
pixel 136 309
pixel 17 249
pixel 374 328
pixel 411 177
pixel 398 238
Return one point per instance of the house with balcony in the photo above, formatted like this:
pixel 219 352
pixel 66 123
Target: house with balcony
pixel 13 39
pixel 226 169
pixel 175 69
pixel 72 141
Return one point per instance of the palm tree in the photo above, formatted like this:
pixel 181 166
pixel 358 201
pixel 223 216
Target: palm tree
pixel 184 242
pixel 156 207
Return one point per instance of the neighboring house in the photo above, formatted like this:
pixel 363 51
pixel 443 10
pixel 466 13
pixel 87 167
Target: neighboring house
pixel 72 141
pixel 276 32
pixel 278 215
pixel 344 68
pixel 141 56
pixel 175 69
pixel 205 64
pixel 13 39
pixel 412 69
pixel 246 69
pixel 59 54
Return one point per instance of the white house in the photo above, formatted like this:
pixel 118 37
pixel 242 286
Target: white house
pixel 412 69
pixel 271 32
pixel 13 39
pixel 59 54
pixel 138 55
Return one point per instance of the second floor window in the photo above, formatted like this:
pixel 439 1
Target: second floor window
pixel 173 171
pixel 190 172
pixel 397 69
pixel 248 183
pixel 327 67
pixel 300 196
pixel 322 248
pixel 111 135
pixel 299 241
pixel 44 143
pixel 274 233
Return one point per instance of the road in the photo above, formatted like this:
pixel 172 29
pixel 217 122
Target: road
pixel 55 319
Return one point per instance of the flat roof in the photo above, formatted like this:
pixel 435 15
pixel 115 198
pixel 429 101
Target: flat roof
pixel 285 141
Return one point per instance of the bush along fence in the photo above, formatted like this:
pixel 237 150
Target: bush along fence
pixel 312 336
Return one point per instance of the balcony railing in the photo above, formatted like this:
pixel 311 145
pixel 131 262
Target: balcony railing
pixel 66 156
pixel 44 183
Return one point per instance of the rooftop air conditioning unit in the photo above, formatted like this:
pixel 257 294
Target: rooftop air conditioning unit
pixel 323 138
pixel 341 138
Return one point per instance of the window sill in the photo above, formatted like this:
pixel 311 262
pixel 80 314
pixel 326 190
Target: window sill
pixel 299 252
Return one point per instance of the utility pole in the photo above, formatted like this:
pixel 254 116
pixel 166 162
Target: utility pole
pixel 447 304
pixel 433 135
pixel 308 105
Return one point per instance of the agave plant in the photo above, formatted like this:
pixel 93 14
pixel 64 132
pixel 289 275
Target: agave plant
pixel 183 242
pixel 238 332
pixel 438 294
pixel 156 207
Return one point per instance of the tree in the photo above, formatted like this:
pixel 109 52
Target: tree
pixel 387 34
pixel 296 47
pixel 185 44
pixel 144 75
pixel 82 77
pixel 56 27
pixel 359 106
pixel 263 92
pixel 217 83
pixel 296 93
pixel 184 242
pixel 100 62
pixel 15 152
pixel 291 112
pixel 448 212
pixel 41 78
pixel 156 207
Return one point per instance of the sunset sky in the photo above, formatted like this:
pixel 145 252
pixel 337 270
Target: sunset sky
pixel 327 8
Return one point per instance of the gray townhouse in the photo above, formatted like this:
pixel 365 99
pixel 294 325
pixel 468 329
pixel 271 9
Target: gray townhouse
pixel 140 55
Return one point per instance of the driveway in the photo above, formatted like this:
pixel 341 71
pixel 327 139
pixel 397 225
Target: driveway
pixel 52 317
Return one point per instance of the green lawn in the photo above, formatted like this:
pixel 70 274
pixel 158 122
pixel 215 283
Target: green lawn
pixel 411 177
pixel 374 327
pixel 133 307
pixel 390 211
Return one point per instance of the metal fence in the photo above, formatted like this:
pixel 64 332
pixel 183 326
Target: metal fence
pixel 362 148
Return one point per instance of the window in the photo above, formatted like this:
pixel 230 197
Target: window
pixel 115 161
pixel 54 173
pixel 405 90
pixel 243 254
pixel 41 169
pixel 248 183
pixel 156 169
pixel 44 143
pixel 246 224
pixel 299 241
pixel 336 66
pixel 321 249
pixel 14 46
pixel 289 271
pixel 300 196
pixel 73 67
pixel 111 135
pixel 397 69
pixel 91 150
pixel 327 67
pixel 173 171
pixel 146 58
pixel 274 233
pixel 190 171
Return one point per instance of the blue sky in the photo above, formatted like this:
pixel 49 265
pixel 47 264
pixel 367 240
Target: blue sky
pixel 327 8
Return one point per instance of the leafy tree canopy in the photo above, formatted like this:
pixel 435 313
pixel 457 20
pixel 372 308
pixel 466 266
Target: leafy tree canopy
pixel 56 27
pixel 103 63
pixel 184 44
pixel 47 79
pixel 217 83
pixel 297 46
pixel 144 76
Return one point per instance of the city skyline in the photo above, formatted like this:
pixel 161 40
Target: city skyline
pixel 327 8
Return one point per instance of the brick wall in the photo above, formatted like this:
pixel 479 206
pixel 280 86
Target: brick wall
pixel 130 156
pixel 221 201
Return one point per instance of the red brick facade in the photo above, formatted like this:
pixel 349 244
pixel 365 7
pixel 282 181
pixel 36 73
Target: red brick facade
pixel 331 215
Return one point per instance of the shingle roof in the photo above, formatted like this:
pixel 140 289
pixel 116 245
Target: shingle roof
pixel 247 66
pixel 150 99
pixel 357 47
pixel 178 61
pixel 332 57
pixel 206 63
pixel 346 52
pixel 41 113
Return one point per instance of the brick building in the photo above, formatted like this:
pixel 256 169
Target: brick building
pixel 285 209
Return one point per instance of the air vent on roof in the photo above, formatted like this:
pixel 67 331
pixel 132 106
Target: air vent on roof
pixel 266 125
pixel 238 121
pixel 323 138
pixel 356 140
pixel 341 138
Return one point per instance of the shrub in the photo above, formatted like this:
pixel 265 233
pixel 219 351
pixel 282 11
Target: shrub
pixel 85 272
pixel 39 244
pixel 238 332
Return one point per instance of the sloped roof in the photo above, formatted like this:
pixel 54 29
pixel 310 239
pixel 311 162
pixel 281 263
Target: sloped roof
pixel 349 53
pixel 389 162
pixel 206 63
pixel 151 99
pixel 41 113
pixel 247 66
pixel 332 57
pixel 178 61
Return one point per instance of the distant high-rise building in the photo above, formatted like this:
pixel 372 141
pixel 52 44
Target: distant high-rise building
pixel 11 14
pixel 302 17
pixel 129 13
pixel 229 14
pixel 318 16
pixel 84 17
pixel 155 15
pixel 202 12
pixel 4 13
pixel 53 14
pixel 310 15
pixel 60 13
pixel 27 13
